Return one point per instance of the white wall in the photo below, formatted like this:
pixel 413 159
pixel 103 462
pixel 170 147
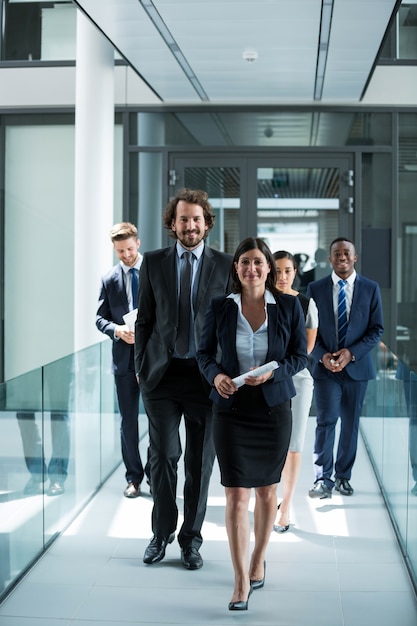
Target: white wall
pixel 392 86
pixel 39 243
pixel 55 86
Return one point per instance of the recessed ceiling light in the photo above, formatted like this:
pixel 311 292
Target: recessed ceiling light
pixel 250 55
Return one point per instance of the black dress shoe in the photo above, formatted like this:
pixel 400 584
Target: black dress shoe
pixel 320 490
pixel 343 486
pixel 155 551
pixel 191 558
pixel 132 490
pixel 258 584
pixel 240 605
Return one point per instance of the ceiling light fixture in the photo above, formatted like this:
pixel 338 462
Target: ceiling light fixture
pixel 323 47
pixel 250 55
pixel 174 48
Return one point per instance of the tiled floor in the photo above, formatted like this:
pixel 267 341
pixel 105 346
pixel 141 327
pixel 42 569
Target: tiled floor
pixel 339 565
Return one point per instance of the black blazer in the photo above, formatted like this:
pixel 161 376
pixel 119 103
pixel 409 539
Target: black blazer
pixel 112 305
pixel 287 344
pixel 157 321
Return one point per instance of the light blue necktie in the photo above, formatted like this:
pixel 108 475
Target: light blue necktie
pixel 341 313
pixel 135 286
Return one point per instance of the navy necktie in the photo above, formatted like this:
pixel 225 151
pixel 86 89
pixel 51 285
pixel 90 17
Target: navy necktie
pixel 184 309
pixel 341 313
pixel 135 286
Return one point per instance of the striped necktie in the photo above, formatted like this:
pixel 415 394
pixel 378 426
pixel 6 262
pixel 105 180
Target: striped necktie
pixel 341 314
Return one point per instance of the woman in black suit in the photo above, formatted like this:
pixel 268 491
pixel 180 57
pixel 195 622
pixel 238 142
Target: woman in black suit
pixel 252 424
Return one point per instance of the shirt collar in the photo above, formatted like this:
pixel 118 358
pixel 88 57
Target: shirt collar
pixel 197 251
pixel 269 298
pixel 137 265
pixel 350 280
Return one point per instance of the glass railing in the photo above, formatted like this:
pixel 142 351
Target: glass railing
pixel 389 428
pixel 59 441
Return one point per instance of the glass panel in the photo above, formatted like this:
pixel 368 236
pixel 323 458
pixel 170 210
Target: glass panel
pixel 58 446
pixel 39 31
pixel 110 421
pixel 223 187
pixel 407 31
pixel 389 424
pixel 407 240
pixel 58 427
pixel 401 41
pixel 21 474
pixel 410 393
pixel 396 448
pixel 298 210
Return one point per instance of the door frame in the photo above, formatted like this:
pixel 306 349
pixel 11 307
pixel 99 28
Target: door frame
pixel 248 161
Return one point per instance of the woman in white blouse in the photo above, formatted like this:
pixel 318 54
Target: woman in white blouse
pixel 251 326
pixel 303 381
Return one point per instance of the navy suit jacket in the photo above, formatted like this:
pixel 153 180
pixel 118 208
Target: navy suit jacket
pixel 287 345
pixel 112 305
pixel 364 329
pixel 157 321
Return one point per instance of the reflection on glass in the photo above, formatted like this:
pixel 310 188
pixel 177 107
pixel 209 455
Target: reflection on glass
pixel 401 42
pixel 223 187
pixel 58 437
pixel 39 31
pixel 409 379
pixel 33 451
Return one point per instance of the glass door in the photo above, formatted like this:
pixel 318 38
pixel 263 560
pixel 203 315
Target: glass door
pixel 295 203
pixel 222 179
pixel 302 204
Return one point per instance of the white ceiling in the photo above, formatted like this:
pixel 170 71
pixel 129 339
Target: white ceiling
pixel 210 37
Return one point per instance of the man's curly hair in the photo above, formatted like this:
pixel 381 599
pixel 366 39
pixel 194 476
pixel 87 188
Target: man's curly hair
pixel 191 196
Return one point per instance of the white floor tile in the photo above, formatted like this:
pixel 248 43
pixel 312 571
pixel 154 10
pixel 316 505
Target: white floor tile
pixel 338 565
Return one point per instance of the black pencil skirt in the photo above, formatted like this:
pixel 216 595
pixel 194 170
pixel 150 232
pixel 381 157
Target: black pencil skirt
pixel 251 439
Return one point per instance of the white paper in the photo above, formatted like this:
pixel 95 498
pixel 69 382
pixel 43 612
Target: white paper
pixel 258 371
pixel 130 319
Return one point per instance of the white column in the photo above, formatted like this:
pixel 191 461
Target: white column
pixel 94 171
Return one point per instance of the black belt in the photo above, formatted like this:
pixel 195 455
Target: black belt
pixel 183 363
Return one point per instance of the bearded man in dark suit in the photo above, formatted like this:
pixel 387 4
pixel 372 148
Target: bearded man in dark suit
pixel 167 334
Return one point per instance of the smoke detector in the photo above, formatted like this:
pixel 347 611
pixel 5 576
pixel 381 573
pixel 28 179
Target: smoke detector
pixel 250 55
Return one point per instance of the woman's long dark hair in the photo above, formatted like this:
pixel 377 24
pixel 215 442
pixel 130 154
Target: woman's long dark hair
pixel 246 245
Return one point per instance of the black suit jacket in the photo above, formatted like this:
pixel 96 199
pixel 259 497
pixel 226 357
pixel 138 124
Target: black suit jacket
pixel 287 344
pixel 157 321
pixel 112 305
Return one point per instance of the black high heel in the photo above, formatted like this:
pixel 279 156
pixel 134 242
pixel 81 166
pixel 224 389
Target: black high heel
pixel 258 584
pixel 240 605
pixel 278 528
